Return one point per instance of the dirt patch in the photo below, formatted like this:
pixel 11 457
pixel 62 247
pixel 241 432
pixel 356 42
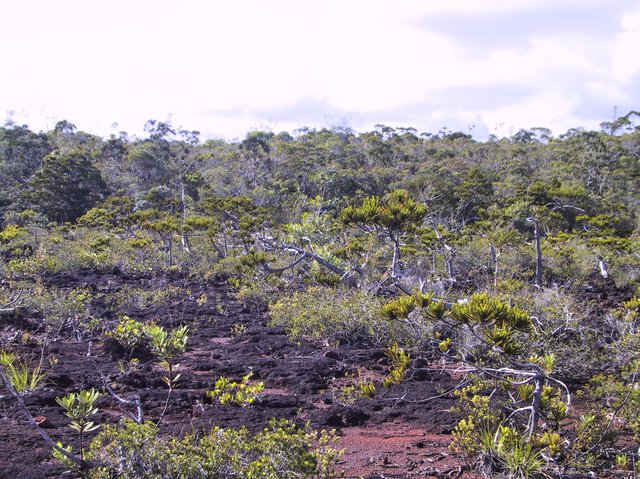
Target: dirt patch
pixel 400 450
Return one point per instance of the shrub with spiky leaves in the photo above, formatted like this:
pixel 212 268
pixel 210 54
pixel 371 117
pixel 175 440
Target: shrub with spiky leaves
pixel 19 374
pixel 242 393
pixel 519 393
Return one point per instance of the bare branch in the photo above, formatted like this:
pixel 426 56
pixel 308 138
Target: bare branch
pixel 270 270
pixel 6 309
pixel 139 418
pixel 83 464
pixel 308 254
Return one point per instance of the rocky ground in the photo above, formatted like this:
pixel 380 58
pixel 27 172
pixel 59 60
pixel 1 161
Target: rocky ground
pixel 402 433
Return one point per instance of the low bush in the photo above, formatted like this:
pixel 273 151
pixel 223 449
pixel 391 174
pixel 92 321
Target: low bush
pixel 335 315
pixel 280 451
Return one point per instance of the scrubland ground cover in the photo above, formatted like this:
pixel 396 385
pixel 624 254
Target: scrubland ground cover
pixel 230 304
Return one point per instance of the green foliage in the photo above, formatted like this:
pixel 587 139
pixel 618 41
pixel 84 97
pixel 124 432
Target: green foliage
pixel 368 389
pixel 618 394
pixel 22 376
pixel 496 448
pixel 281 450
pixel 484 309
pixel 167 347
pixel 521 460
pixel 64 313
pixel 125 299
pixel 622 461
pixel 500 322
pixel 241 393
pixel 474 435
pixel 78 407
pixel 6 358
pixel 128 333
pixel 59 456
pixel 396 212
pixel 21 153
pixel 399 308
pixel 400 361
pixel 403 306
pixel 9 233
pixel 36 265
pixel 631 310
pixel 255 295
pixel 66 186
pixel 334 315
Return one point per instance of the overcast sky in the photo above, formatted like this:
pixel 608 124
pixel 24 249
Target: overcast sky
pixel 228 67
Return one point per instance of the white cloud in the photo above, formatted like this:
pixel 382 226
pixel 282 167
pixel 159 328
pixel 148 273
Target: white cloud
pixel 626 62
pixel 227 67
pixel 547 110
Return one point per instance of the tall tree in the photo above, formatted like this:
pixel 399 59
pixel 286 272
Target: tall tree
pixel 66 186
pixel 390 218
pixel 21 153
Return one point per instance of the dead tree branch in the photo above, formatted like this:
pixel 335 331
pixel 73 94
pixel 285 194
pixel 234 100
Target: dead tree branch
pixel 139 417
pixel 83 464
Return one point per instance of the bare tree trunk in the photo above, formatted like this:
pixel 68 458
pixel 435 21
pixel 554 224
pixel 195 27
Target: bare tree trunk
pixel 450 256
pixel 184 238
pixel 167 241
pixel 396 256
pixel 537 234
pixel 535 406
pixel 604 271
pixel 494 263
pixel 448 253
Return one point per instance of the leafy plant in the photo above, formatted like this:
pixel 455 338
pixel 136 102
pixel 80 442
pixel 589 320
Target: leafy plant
pixel 521 460
pixel 79 407
pixel 241 393
pixel 368 389
pixel 400 361
pixel 20 374
pixel 128 333
pixel 167 347
pixel 238 329
pixel 280 451
pixel 622 461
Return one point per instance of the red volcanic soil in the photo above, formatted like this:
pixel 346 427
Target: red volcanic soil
pixel 395 435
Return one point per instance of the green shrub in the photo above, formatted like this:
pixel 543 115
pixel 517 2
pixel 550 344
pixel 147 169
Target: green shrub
pixel 400 361
pixel 19 373
pixel 78 407
pixel 128 333
pixel 64 313
pixel 280 451
pixel 330 314
pixel 241 393
pixel 167 347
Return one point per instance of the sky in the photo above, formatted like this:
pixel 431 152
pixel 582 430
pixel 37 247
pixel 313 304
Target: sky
pixel 485 67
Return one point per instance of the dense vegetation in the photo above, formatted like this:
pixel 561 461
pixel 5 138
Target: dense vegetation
pixel 478 254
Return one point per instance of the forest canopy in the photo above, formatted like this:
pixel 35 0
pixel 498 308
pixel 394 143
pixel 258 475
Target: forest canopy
pixel 575 196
